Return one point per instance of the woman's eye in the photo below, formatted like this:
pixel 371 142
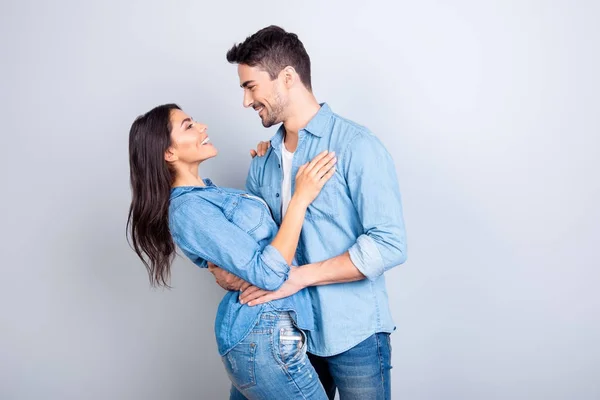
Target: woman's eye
pixel 190 125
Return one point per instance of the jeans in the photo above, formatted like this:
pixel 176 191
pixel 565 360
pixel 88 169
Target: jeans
pixel 361 373
pixel 271 362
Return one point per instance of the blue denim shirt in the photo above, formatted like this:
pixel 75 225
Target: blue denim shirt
pixel 358 210
pixel 234 230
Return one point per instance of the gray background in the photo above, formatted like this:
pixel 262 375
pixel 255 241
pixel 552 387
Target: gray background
pixel 490 110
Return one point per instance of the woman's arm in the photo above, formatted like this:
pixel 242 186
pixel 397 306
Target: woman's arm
pixel 204 234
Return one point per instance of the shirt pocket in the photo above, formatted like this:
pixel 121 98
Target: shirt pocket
pixel 249 215
pixel 326 205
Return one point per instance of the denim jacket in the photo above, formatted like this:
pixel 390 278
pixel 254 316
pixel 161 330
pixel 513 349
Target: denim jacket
pixel 233 230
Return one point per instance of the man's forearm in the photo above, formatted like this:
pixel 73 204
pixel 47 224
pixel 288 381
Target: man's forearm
pixel 338 269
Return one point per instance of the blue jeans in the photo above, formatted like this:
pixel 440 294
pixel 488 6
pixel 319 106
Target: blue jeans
pixel 271 363
pixel 361 373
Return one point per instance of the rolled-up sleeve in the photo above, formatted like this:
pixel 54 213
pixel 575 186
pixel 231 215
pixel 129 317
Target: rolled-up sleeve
pixel 373 186
pixel 203 233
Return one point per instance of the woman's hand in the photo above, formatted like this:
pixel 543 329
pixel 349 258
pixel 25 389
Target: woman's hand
pixel 254 296
pixel 261 149
pixel 313 175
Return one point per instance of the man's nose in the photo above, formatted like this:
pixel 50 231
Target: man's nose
pixel 248 100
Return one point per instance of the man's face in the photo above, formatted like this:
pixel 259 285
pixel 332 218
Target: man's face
pixel 268 97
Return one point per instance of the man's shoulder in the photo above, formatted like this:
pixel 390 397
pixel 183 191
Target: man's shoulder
pixel 348 129
pixel 348 123
pixel 352 137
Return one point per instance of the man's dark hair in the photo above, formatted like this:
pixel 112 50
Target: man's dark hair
pixel 273 49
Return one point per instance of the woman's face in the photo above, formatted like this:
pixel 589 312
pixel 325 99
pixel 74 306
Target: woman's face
pixel 189 140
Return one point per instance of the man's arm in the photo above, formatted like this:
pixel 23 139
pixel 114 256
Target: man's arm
pixel 373 187
pixel 338 269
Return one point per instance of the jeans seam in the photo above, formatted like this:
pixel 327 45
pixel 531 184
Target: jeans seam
pixel 380 364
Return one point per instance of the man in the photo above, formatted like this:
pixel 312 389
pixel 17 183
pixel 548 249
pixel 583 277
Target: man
pixel 354 230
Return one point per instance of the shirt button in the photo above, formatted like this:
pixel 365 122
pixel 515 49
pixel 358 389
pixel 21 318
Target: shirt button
pixel 277 195
pixel 278 165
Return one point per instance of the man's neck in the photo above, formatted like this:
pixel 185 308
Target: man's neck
pixel 303 111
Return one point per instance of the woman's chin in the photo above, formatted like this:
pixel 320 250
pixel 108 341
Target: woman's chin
pixel 210 155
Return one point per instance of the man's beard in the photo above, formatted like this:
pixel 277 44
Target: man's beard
pixel 269 120
pixel 273 116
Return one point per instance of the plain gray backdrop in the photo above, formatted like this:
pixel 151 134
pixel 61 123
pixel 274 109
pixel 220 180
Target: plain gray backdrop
pixel 490 110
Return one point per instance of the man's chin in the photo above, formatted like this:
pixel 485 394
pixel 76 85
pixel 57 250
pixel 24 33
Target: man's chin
pixel 268 123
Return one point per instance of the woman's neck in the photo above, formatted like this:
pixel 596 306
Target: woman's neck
pixel 188 176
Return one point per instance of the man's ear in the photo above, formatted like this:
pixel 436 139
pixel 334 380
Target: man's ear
pixel 290 76
pixel 170 155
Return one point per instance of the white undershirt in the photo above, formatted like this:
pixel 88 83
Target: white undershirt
pixel 286 186
pixel 264 203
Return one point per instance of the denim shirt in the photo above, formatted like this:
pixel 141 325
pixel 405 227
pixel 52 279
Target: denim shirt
pixel 358 210
pixel 233 230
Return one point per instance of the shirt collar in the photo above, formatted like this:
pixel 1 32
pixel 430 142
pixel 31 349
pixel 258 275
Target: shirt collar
pixel 179 190
pixel 317 126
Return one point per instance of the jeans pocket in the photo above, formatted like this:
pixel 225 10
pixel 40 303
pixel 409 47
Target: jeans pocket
pixel 292 344
pixel 240 363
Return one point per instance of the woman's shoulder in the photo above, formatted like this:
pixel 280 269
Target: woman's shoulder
pixel 185 198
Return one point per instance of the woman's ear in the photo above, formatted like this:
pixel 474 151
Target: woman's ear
pixel 170 155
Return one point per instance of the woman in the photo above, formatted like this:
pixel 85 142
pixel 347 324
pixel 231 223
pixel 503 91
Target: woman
pixel 263 347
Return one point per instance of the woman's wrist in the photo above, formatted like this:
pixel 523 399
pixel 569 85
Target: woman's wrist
pixel 298 201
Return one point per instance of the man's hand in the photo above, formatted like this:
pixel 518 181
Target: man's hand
pixel 254 296
pixel 227 280
pixel 261 149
